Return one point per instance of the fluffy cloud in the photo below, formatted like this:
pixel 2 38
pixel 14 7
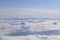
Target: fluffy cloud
pixel 12 27
pixel 31 37
pixel 7 28
pixel 30 28
pixel 15 27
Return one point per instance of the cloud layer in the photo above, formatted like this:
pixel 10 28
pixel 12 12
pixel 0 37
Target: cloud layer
pixel 31 37
pixel 30 31
pixel 26 12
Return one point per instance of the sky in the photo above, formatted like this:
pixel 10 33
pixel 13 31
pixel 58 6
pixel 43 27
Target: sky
pixel 30 8
pixel 46 4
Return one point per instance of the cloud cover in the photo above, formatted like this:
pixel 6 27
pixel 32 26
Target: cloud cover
pixel 26 12
pixel 7 28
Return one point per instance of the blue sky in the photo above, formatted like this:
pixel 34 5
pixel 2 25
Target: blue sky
pixel 30 8
pixel 42 4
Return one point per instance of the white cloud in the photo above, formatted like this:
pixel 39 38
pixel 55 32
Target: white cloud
pixel 31 37
pixel 7 28
pixel 26 12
